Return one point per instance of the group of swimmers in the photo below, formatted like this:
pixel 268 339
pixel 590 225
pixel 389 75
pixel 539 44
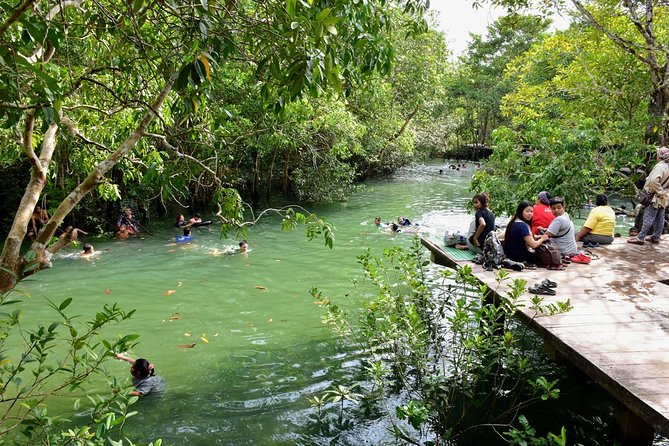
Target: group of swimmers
pixel 403 224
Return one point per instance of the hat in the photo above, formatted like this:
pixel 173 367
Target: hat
pixel 663 153
pixel 544 197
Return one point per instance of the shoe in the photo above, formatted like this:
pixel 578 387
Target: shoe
pixel 529 265
pixel 556 268
pixel 652 240
pixel 581 258
pixel 635 241
pixel 548 283
pixel 540 289
pixel 591 245
pixel 587 245
pixel 510 264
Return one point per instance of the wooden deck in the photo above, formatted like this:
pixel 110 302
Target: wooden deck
pixel 618 330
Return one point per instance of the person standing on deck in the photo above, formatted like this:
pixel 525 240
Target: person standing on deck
pixel 653 215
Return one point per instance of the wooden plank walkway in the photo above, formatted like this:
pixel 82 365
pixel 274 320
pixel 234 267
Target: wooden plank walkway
pixel 618 330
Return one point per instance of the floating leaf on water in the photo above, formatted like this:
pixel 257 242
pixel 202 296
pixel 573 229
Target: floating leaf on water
pixel 171 250
pixel 169 292
pixel 175 317
pixel 216 335
pixel 269 320
pixel 260 287
pixel 180 283
pixel 107 291
pixel 185 345
pixel 317 302
pixel 188 334
pixel 204 339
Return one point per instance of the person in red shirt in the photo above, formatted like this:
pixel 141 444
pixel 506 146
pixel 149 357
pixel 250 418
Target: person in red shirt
pixel 542 213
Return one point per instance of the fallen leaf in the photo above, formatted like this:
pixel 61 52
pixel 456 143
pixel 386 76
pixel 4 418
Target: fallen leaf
pixel 188 334
pixel 185 345
pixel 175 317
pixel 260 287
pixel 168 292
pixel 107 291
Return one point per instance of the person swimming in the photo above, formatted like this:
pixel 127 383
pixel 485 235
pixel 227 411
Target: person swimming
pixel 87 250
pixel 378 224
pixel 143 376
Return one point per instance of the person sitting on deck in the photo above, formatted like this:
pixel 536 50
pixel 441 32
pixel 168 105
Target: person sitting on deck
pixel 484 223
pixel 561 229
pixel 518 236
pixel 600 225
pixel 543 216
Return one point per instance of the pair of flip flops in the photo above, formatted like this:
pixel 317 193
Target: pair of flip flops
pixel 545 287
pixel 590 245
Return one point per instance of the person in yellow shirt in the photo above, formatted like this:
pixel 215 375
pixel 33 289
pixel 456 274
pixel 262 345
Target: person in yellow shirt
pixel 600 225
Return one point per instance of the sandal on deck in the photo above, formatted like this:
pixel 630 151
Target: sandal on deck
pixel 510 264
pixel 548 283
pixel 556 268
pixel 541 289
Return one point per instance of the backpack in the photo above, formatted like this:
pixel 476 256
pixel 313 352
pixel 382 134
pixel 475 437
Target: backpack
pixel 548 254
pixel 493 252
pixel 454 238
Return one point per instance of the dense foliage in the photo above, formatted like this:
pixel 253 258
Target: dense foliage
pixel 43 361
pixel 463 368
pixel 190 103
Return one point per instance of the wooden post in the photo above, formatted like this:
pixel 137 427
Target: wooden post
pixel 629 429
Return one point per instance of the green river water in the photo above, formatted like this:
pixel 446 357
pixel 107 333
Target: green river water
pixel 267 350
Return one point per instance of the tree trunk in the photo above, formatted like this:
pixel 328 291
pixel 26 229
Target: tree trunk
pixel 10 260
pixel 656 130
pixel 484 130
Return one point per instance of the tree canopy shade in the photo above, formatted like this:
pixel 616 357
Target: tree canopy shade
pixel 94 84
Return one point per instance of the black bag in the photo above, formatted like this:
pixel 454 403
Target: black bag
pixel 548 254
pixel 644 197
